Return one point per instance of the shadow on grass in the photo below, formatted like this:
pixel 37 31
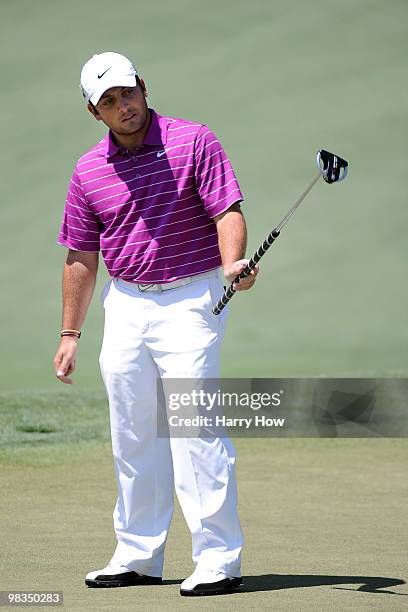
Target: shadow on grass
pixel 275 582
pixel 272 582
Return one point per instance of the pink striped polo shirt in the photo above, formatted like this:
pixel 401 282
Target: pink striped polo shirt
pixel 150 211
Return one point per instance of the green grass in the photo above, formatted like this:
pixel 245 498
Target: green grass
pixel 46 428
pixel 52 418
pixel 323 519
pixel 276 81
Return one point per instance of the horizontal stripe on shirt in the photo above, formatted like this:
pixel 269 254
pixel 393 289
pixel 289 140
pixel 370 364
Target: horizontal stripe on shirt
pixel 132 206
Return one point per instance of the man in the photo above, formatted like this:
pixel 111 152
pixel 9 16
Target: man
pixel 159 198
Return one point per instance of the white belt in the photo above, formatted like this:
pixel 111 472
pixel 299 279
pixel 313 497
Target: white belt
pixel 173 285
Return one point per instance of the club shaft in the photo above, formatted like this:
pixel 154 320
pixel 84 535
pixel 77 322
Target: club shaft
pixel 230 291
pixel 298 203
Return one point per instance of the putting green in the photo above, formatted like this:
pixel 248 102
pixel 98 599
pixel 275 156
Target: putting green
pixel 324 522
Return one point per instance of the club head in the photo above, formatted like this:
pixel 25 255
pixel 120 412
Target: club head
pixel 332 167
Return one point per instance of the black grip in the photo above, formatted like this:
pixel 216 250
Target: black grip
pixel 229 291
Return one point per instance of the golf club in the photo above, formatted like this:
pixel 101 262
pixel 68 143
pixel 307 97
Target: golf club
pixel 333 169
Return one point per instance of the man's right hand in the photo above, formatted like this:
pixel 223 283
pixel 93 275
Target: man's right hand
pixel 78 284
pixel 64 360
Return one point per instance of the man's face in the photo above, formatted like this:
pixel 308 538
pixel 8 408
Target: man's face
pixel 123 109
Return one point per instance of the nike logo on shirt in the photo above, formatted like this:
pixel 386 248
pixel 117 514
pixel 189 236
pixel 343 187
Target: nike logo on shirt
pixel 160 153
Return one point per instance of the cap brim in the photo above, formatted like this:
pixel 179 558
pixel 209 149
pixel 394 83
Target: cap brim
pixel 123 81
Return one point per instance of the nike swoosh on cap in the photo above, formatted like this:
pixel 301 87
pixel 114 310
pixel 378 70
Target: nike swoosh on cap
pixel 160 153
pixel 101 75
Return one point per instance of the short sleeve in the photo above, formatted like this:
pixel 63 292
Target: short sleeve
pixel 80 229
pixel 215 179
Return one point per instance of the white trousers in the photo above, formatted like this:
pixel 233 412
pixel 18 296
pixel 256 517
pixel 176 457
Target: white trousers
pixel 150 336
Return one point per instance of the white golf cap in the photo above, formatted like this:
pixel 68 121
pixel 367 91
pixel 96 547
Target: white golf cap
pixel 103 71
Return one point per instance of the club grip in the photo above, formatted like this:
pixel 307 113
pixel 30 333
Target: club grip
pixel 229 291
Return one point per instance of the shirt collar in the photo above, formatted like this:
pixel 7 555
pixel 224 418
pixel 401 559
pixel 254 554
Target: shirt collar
pixel 156 135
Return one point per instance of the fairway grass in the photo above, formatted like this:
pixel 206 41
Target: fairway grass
pixel 276 81
pixel 324 519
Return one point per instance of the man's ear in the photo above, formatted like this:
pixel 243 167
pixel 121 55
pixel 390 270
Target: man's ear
pixel 144 88
pixel 94 111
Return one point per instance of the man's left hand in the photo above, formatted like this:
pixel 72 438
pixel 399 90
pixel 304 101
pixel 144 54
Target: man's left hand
pixel 232 270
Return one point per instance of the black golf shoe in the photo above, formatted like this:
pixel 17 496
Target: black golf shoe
pixel 205 582
pixel 118 576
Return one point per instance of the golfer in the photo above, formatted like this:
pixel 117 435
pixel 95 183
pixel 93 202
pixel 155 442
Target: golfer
pixel 158 197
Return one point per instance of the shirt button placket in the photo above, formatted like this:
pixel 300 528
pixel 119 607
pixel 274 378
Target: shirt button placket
pixel 135 162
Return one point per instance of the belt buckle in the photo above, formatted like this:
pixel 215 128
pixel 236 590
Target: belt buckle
pixel 145 287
